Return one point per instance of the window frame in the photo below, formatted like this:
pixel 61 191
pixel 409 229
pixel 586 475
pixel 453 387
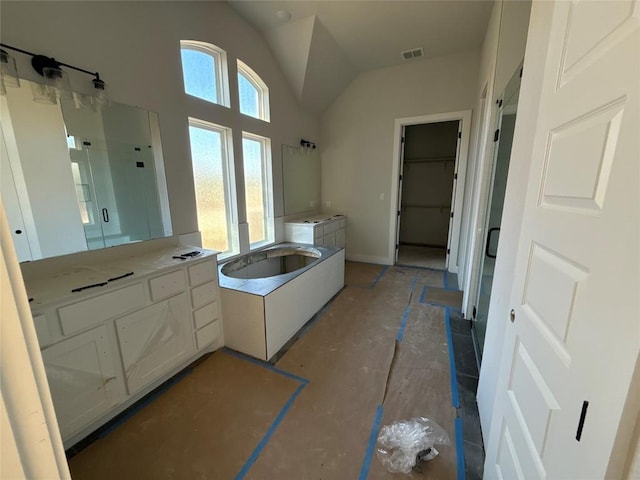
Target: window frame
pixel 267 189
pixel 228 182
pixel 264 112
pixel 221 72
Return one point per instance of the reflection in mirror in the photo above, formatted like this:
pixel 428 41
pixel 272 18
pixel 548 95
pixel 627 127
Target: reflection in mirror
pixel 80 178
pixel 502 156
pixel 301 179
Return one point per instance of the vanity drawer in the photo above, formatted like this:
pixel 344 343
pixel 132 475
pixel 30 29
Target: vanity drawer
pixel 202 273
pixel 92 311
pixel 343 222
pixel 205 315
pixel 204 294
pixel 167 285
pixel 207 335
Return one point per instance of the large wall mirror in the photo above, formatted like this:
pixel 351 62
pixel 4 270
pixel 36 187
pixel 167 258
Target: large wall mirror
pixel 301 179
pixel 78 178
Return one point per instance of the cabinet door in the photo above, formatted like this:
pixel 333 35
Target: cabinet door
pixel 154 340
pixel 82 379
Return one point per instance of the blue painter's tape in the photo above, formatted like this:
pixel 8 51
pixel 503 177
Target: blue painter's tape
pixel 452 362
pixel 143 402
pixel 403 324
pixel 424 292
pixel 460 450
pixel 380 275
pixel 256 452
pixel 266 365
pixel 416 267
pixel 368 456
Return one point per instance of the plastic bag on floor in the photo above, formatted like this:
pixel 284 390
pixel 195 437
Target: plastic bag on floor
pixel 402 444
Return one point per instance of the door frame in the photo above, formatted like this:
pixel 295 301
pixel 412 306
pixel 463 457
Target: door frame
pixel 464 117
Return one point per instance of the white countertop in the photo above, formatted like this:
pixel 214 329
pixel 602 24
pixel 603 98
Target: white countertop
pixel 315 219
pixel 49 286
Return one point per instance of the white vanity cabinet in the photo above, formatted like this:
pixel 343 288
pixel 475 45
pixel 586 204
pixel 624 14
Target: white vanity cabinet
pixel 104 347
pixel 153 340
pixel 83 378
pixel 318 230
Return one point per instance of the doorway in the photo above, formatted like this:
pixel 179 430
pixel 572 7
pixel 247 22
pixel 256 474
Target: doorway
pixel 463 121
pixel 429 157
pixel 503 139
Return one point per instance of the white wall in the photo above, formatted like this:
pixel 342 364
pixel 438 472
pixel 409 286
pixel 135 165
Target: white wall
pixel 135 47
pixel 357 140
pixel 42 173
pixel 483 120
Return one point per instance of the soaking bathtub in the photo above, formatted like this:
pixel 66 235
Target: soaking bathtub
pixel 268 295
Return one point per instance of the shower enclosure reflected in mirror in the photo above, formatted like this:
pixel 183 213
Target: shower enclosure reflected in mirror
pixel 301 179
pixel 76 178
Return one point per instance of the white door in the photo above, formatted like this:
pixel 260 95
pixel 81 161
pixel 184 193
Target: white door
pixel 454 190
pixel 12 205
pixel 569 355
pixel 399 199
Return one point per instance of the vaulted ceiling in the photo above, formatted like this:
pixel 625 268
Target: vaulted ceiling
pixel 323 45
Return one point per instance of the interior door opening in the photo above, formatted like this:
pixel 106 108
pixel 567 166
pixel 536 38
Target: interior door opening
pixel 426 193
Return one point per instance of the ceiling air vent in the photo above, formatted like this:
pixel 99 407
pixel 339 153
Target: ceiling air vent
pixel 414 53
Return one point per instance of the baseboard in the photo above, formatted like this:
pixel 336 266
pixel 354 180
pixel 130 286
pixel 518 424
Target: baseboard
pixel 369 259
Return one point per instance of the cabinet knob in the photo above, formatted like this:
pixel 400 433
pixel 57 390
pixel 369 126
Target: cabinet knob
pixel 512 315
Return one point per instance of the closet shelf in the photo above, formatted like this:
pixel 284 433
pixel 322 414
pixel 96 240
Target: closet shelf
pixel 430 160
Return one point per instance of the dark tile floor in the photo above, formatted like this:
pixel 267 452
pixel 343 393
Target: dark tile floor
pixel 467 378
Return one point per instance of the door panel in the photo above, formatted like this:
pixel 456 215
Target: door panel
pixel 574 336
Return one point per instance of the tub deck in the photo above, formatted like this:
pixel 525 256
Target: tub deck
pixel 266 285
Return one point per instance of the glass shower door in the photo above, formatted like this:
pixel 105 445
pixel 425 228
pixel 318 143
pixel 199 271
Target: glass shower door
pixel 117 193
pixel 502 156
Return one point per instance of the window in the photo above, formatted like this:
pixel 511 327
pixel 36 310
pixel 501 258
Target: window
pixel 253 93
pixel 213 177
pixel 83 193
pixel 258 188
pixel 204 70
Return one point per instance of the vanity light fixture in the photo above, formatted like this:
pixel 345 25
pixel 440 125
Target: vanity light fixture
pixel 307 144
pixel 56 83
pixel 8 72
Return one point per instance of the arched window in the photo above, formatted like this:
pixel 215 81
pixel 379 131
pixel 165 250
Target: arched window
pixel 253 93
pixel 204 70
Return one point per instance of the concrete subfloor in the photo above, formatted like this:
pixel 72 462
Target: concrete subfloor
pixel 379 353
pixel 424 257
